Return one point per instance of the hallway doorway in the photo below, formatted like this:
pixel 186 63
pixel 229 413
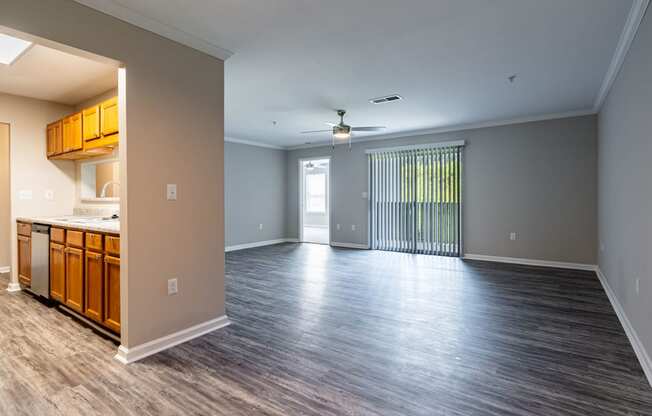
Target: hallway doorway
pixel 314 191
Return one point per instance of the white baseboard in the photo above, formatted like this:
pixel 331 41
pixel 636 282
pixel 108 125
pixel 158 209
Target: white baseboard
pixel 13 287
pixel 350 245
pixel 5 269
pixel 531 262
pixel 639 349
pixel 260 244
pixel 129 355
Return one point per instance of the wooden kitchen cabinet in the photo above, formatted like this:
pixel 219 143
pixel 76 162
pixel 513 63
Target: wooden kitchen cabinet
pixel 25 260
pixel 57 272
pixel 109 116
pixel 94 290
pixel 54 133
pixel 91 123
pixel 75 279
pixel 112 293
pixel 90 133
pixel 72 133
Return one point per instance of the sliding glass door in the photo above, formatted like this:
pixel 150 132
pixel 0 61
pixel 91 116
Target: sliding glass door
pixel 415 199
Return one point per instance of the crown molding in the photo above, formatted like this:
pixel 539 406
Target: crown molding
pixel 252 143
pixel 457 127
pixel 126 14
pixel 636 14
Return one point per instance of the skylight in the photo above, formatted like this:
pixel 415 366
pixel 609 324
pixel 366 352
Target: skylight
pixel 11 48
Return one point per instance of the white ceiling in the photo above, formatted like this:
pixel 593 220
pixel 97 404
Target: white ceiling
pixel 296 61
pixel 52 75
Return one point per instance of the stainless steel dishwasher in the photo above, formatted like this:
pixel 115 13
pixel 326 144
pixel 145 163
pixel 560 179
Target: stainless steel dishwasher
pixel 41 260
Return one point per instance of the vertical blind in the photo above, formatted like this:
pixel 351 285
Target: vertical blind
pixel 416 199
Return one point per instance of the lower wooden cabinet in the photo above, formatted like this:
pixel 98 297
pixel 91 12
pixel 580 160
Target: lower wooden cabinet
pixel 75 279
pixel 94 286
pixel 25 260
pixel 112 293
pixel 57 272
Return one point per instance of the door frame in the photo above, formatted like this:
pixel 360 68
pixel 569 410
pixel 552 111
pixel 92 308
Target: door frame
pixel 8 235
pixel 302 194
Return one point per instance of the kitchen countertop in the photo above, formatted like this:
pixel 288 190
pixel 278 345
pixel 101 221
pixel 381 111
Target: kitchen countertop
pixel 96 224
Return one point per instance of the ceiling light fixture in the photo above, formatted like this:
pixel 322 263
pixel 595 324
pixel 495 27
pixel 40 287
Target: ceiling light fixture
pixel 11 48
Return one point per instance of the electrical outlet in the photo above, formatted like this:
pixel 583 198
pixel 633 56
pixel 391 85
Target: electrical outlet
pixel 25 194
pixel 173 288
pixel 638 285
pixel 260 227
pixel 353 227
pixel 172 192
pixel 339 227
pixel 512 236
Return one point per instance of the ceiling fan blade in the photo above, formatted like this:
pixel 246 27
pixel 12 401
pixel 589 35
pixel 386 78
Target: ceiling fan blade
pixel 330 124
pixel 369 128
pixel 316 131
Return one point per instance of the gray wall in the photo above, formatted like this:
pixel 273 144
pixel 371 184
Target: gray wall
pixel 255 188
pixel 537 179
pixel 625 185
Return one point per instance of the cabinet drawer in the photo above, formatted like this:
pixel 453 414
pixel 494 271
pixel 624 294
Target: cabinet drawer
pixel 75 238
pixel 58 235
pixel 113 245
pixel 94 242
pixel 24 229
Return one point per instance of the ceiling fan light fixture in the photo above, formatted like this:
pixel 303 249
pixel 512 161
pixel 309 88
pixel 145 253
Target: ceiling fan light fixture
pixel 341 131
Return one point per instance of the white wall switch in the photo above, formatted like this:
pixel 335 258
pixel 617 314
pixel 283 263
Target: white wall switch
pixel 260 227
pixel 173 288
pixel 365 195
pixel 512 236
pixel 638 285
pixel 25 194
pixel 172 191
pixel 49 195
pixel 339 226
pixel 601 247
pixel 353 227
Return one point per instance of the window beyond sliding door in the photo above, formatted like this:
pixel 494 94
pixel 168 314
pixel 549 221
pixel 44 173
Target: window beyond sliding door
pixel 415 200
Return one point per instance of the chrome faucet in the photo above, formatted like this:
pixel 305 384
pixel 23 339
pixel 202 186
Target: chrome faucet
pixel 106 186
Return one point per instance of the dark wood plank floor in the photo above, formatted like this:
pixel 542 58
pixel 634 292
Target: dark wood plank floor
pixel 323 331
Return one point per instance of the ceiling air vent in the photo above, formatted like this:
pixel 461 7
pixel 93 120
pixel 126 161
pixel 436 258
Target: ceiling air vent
pixel 387 99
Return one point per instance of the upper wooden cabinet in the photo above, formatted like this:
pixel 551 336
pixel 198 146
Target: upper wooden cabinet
pixel 54 133
pixel 109 116
pixel 91 123
pixel 91 132
pixel 72 133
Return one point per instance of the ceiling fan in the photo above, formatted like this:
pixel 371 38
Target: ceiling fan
pixel 343 131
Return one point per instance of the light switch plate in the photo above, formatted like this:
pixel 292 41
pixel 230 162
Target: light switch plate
pixel 512 236
pixel 49 195
pixel 353 227
pixel 172 191
pixel 260 227
pixel 173 288
pixel 365 195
